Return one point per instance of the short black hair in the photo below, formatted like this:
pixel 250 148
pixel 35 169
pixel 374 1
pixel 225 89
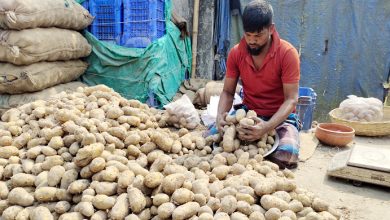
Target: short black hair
pixel 257 16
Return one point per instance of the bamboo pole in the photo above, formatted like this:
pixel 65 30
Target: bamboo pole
pixel 195 37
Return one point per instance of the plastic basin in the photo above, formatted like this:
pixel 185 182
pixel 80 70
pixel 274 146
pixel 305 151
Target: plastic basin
pixel 334 134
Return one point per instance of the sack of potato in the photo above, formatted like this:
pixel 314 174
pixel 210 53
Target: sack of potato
pixel 361 109
pixel 181 113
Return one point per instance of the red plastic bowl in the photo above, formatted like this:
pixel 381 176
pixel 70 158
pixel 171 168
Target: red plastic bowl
pixel 335 134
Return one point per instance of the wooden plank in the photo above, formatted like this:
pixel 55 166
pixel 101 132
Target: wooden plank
pixel 372 157
pixel 339 168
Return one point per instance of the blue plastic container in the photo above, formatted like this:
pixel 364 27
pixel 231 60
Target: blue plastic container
pixel 306 106
pixel 143 22
pixel 107 25
pixel 85 4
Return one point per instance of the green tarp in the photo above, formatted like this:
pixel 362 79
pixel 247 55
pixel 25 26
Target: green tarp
pixel 137 73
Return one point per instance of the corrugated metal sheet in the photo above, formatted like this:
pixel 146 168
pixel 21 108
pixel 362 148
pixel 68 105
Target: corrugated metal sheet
pixel 344 46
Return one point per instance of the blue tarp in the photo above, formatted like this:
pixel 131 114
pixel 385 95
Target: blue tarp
pixel 344 46
pixel 221 37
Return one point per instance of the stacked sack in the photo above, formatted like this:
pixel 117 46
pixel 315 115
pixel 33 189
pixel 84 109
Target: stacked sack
pixel 40 46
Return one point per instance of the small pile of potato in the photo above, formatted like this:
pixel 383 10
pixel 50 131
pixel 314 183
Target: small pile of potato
pixel 93 154
pixel 230 141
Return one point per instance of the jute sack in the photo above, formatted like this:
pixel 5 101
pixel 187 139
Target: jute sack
pixel 212 88
pixel 38 76
pixel 13 101
pixel 26 14
pixel 42 44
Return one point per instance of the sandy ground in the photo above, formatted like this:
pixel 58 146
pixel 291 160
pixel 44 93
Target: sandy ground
pixel 367 202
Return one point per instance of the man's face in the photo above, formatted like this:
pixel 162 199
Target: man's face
pixel 257 41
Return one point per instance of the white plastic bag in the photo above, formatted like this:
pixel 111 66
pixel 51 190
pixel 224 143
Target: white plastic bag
pixel 182 113
pixel 361 109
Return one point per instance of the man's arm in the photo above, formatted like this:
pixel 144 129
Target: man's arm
pixel 226 100
pixel 290 101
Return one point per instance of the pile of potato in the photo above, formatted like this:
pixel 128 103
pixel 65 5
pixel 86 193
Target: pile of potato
pixel 93 154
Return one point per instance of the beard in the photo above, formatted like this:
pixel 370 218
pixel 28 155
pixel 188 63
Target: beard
pixel 255 51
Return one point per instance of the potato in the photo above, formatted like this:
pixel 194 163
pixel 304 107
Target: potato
pixel 125 178
pixel 160 163
pixel 282 195
pixel 228 139
pixel 206 216
pixel 63 195
pixel 137 169
pixel 313 216
pixel 62 207
pixel 172 182
pixel 8 151
pixel 97 164
pixel 320 205
pixel 221 171
pixel 19 196
pixel 265 187
pixel 165 210
pixel 85 208
pixel 182 196
pixel 41 213
pixel 221 216
pixel 225 192
pixel 238 216
pixel 269 201
pixel 273 214
pixel 56 142
pixel 327 215
pixel 78 186
pixel 162 141
pixel 55 174
pixel 185 211
pixel 247 122
pixel 103 202
pixel 22 180
pixel 244 207
pixel 160 198
pixel 71 216
pixel 245 197
pixel 153 179
pixel 24 214
pixel 229 204
pixel 86 154
pixel 120 166
pixel 68 177
pixel 136 198
pixel 105 188
pixel 132 217
pixel 45 194
pixel 295 206
pixel 256 215
pixel 290 214
pixel 11 212
pixel 110 174
pixel 99 215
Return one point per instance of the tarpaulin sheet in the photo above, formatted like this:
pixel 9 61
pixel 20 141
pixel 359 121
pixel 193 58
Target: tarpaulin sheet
pixel 136 73
pixel 344 46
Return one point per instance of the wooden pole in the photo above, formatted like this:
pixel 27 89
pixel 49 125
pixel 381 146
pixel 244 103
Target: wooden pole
pixel 195 37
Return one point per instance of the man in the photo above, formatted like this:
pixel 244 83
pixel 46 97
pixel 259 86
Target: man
pixel 269 71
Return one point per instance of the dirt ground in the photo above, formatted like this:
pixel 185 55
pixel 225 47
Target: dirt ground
pixel 367 202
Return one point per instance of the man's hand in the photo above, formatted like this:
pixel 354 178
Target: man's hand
pixel 221 121
pixel 255 132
